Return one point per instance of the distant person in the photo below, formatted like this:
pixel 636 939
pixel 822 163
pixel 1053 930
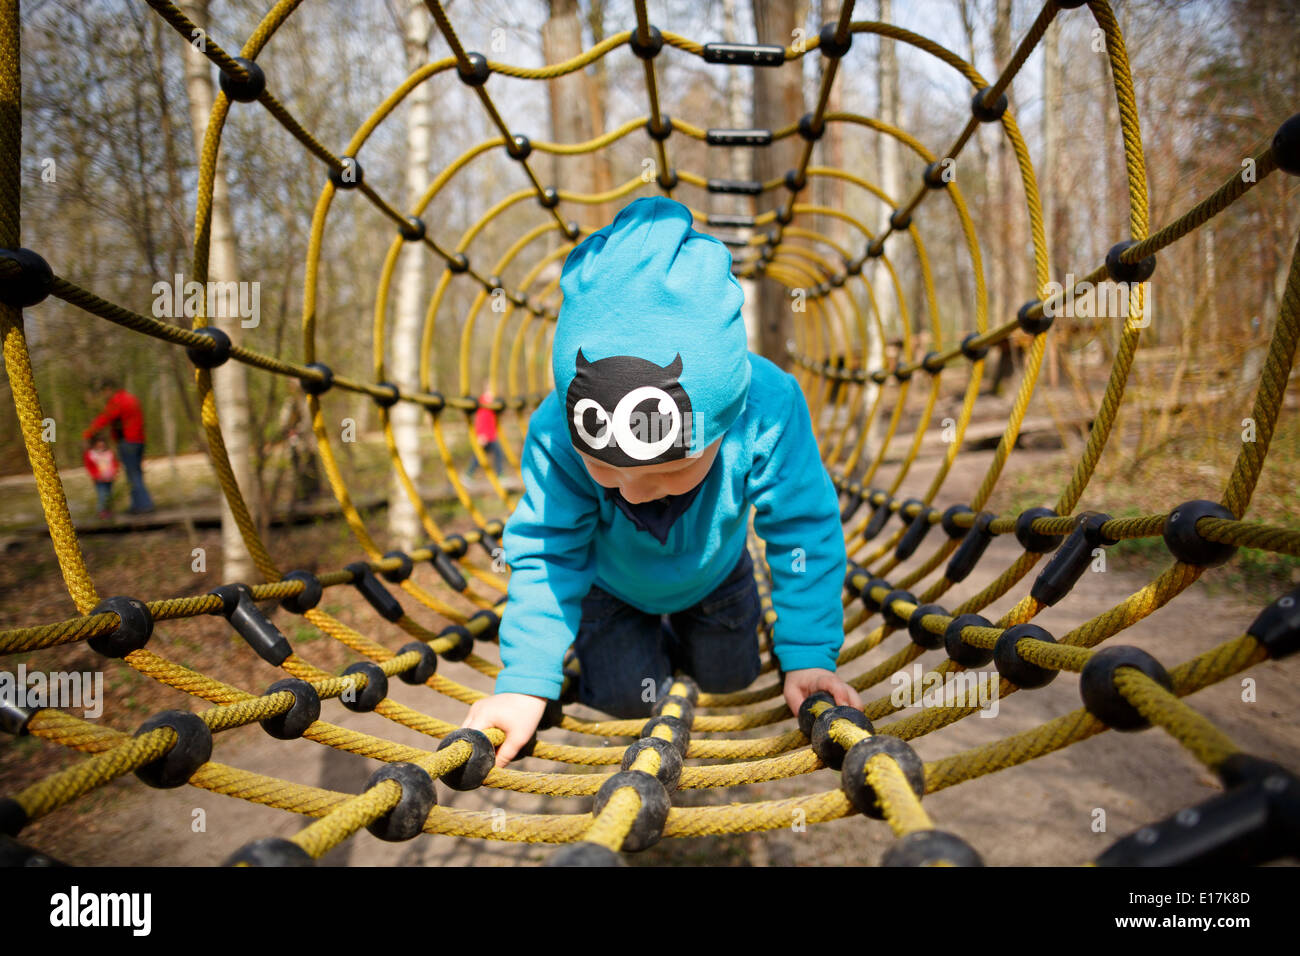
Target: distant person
pixel 485 433
pixel 101 465
pixel 122 413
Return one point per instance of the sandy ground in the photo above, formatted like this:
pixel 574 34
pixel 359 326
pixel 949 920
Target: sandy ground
pixel 1039 813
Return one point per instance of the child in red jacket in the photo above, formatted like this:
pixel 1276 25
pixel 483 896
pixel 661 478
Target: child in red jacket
pixel 101 464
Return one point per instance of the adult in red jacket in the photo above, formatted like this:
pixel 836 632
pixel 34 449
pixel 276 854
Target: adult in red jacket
pixel 122 414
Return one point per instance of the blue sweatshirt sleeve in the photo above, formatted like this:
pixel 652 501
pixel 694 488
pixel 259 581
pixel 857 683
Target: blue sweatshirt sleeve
pixel 797 515
pixel 547 543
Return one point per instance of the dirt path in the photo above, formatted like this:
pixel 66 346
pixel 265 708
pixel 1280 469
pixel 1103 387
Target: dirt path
pixel 1038 813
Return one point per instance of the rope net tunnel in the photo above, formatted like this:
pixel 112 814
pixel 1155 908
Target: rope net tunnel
pixel 450 610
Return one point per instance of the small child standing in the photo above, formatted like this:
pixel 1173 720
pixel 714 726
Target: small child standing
pixel 640 472
pixel 101 464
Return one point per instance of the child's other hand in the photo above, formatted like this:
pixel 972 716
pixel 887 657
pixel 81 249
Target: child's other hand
pixel 516 714
pixel 801 683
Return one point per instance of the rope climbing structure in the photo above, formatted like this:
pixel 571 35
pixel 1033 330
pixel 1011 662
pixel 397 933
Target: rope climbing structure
pixel 624 803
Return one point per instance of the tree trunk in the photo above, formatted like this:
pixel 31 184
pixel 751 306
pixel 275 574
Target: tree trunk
pixel 778 99
pixel 570 122
pixel 1050 177
pixel 403 521
pixel 740 167
pixel 229 381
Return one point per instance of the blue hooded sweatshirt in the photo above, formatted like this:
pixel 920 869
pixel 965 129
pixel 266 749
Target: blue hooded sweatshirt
pixel 651 365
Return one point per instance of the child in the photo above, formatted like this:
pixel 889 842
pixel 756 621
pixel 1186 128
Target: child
pixel 640 471
pixel 101 464
pixel 485 433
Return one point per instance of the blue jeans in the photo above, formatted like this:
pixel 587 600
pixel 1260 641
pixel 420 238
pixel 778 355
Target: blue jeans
pixel 132 453
pixel 498 458
pixel 104 490
pixel 620 648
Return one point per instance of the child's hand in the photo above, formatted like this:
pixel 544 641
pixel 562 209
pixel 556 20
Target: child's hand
pixel 801 683
pixel 516 714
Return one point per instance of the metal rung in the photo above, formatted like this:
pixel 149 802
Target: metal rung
pixel 733 221
pixel 744 54
pixel 738 137
pixel 741 187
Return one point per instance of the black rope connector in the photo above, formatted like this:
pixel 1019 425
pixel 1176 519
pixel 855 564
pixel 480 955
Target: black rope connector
pixel 959 652
pixel 1036 541
pixel 403 569
pixel 854 266
pixel 442 563
pixel 851 507
pixel 491 626
pixel 876 248
pixel 949 523
pixel 680 730
pixel 648 826
pixel 829 45
pixel 425 668
pixel 456 546
pixel 1100 695
pixel 477 72
pixel 933 176
pixel 892 617
pixel 313 386
pixel 808 130
pixel 376 595
pixel 391 396
pixel 519 147
pixel 879 518
pixel 488 539
pixel 827 749
pixel 1030 325
pixel 667 180
pixel 412 229
pixel 133 631
pixel 670 761
pixel 458 263
pixel 795 180
pixel 13 717
pixel 349 177
pixel 870 603
pixel 744 54
pixel 436 403
pixel 687 714
pixel 969 350
pixel 548 198
pixel 270 851
pixel 191 751
pixel 308 597
pixel 464 645
pixel 898 221
pixel 210 357
pixel 246 90
pixel 571 232
pixel 692 689
pixel 853 775
pixel 650 49
pixel 987 114
pixel 32 285
pixel 1014 667
pixel 734 187
pixel 1254 822
pixel 806 717
pixel 971 549
pixel 932 363
pixel 1278 626
pixel 1065 568
pixel 364 700
pixel 12 816
pixel 1119 271
pixel 917 528
pixel 251 624
pixel 482 758
pixel 663 130
pixel 930 848
pixel 1183 541
pixel 584 853
pixel 406 820
pixel 1286 146
pixel 293 723
pixel 916 630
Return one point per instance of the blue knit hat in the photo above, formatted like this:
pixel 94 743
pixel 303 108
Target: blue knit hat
pixel 650 353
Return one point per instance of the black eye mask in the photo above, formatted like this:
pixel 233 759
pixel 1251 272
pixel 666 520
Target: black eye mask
pixel 628 412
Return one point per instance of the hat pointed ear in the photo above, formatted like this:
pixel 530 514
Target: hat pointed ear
pixel 674 368
pixel 581 360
